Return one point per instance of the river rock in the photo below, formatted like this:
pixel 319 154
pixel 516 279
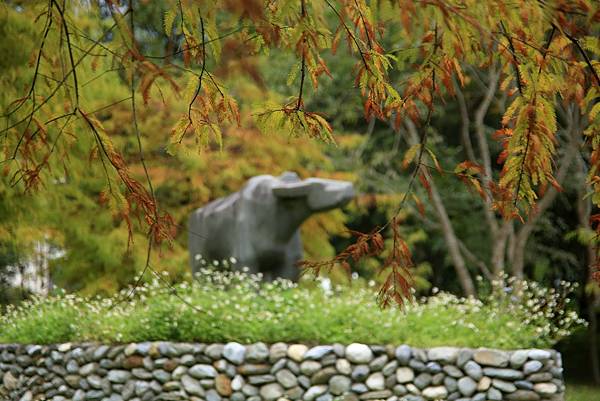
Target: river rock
pixel 508 374
pixel 296 352
pixel 234 352
pixel 271 392
pixel 339 384
pixel 435 393
pixel 376 381
pixel 404 375
pixel 491 357
pixel 201 371
pixel 523 395
pixel 359 353
pixel 258 352
pixel 532 367
pixel 445 355
pixel 467 386
pixel 403 354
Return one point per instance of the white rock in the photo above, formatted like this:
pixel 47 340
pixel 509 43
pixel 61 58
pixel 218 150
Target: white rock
pixel 296 352
pixel 435 393
pixel 234 352
pixel 443 354
pixel 404 375
pixel 545 388
pixel 376 381
pixel 359 353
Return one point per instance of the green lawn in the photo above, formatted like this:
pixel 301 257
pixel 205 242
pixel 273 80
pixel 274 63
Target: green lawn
pixel 582 392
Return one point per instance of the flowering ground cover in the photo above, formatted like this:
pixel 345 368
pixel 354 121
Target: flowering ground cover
pixel 239 307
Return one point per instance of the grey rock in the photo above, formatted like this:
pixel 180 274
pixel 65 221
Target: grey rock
pixel 472 369
pixel 79 395
pixel 423 380
pixel 467 386
pixel 201 371
pixel 100 352
pixel 295 393
pixel 95 381
pixel 343 366
pixel 237 383
pixel 490 357
pixel 72 366
pixel 505 386
pixel 280 364
pixel 207 383
pixel 494 394
pixel 412 397
pixel 435 393
pixel 420 354
pixel 545 388
pixel 532 367
pixel 375 395
pixel 323 375
pixel 339 384
pixel 309 368
pixel 286 378
pixel 454 396
pixel 88 369
pixel 253 369
pixel 214 351
pixel 359 353
pixel 539 354
pixel 509 374
pixel 237 397
pixel 178 372
pixel 339 350
pixel 249 390
pixel 433 367
pixel 524 384
pixel 318 352
pixel 94 395
pixel 403 354
pixel 277 351
pixel 234 352
pixel 540 377
pixel 417 365
pixel 324 397
pixel 523 395
pixel 359 388
pixel 400 390
pixel 161 375
pixel 141 374
pixel 404 375
pixel 451 384
pixel 376 381
pixel 118 376
pixel 293 367
pixel 314 391
pixel 378 363
pixel 304 381
pixel 388 369
pixel 360 373
pixel 453 371
pixel 464 355
pixel 271 392
pixel 212 395
pixel 479 397
pixel 447 355
pixel 261 379
pixel 518 358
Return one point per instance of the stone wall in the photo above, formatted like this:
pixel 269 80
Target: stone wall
pixel 221 372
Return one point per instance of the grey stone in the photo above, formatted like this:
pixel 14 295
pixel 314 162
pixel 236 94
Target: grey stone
pixel 472 369
pixel 296 352
pixel 494 394
pixel 323 375
pixel 237 397
pixel 438 379
pixel 447 355
pixel 249 390
pixel 532 367
pixel 454 396
pixel 261 379
pixel 141 374
pixel 258 352
pixel 237 383
pixel 505 386
pixel 277 351
pixel 417 365
pixel 518 358
pixel 467 386
pixel 95 381
pixel 464 355
pixel 178 372
pixel 212 395
pixel 403 354
pixel 281 204
pixel 161 375
pixel 375 395
pixel 234 352
pixel 314 391
pixel 293 367
pixel 339 384
pixel 451 384
pixel 388 369
pixel 378 363
pixel 207 383
pixel 484 383
pixel 271 392
pixel 404 375
pixel 540 377
pixel 324 397
pixel 339 350
pixel 360 373
pixel 400 390
pixel 294 393
pixel 201 371
pixel 453 371
pixel 433 367
pixel 423 380
pixel 490 357
pixel 412 397
pixel 523 395
pixel 359 353
pixel 79 395
pixel 280 364
pixel 435 393
pixel 376 381
pixel 479 397
pixel 94 395
pixel 524 384
pixel 318 352
pixel 214 351
pixel 343 366
pixel 286 378
pixel 309 368
pixel 359 388
pixel 509 374
pixel 254 369
pixel 539 354
pixel 118 376
pixel 88 369
pixel 304 381
pixel 420 354
pixel 545 388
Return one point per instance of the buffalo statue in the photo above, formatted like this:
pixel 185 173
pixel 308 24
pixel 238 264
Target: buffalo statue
pixel 259 224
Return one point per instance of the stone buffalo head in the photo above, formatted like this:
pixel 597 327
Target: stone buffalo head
pixel 319 194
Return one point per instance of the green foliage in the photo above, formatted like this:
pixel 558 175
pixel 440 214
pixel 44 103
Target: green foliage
pixel 238 307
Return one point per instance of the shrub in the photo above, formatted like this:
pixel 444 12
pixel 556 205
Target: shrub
pixel 235 306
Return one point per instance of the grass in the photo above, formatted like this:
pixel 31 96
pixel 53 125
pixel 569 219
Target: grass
pixel 238 307
pixel 581 392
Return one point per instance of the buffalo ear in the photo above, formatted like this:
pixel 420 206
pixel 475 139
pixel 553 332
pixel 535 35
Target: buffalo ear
pixel 292 189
